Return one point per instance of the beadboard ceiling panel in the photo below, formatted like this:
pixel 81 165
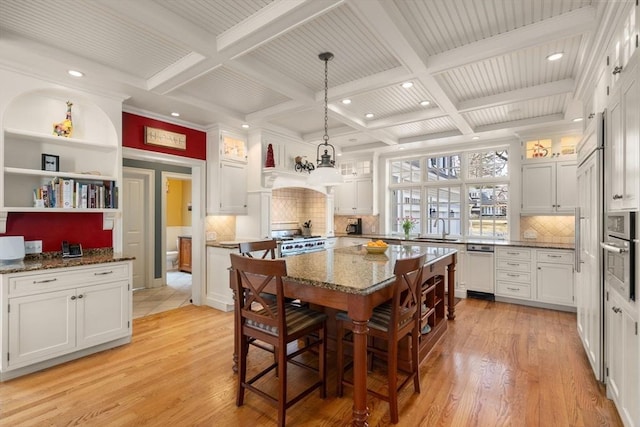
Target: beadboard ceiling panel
pixel 214 16
pixel 518 111
pixel 231 90
pixel 390 101
pixel 89 30
pixel 520 69
pixel 441 25
pixel 481 64
pixel 358 53
pixel 437 125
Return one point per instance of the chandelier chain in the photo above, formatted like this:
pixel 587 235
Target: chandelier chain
pixel 326 101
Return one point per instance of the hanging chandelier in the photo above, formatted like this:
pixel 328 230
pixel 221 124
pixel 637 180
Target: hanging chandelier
pixel 325 173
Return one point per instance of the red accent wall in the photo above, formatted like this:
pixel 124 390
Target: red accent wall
pixel 133 137
pixel 52 228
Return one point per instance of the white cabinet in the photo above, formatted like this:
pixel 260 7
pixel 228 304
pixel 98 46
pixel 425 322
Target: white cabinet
pixel 219 295
pixel 55 313
pixel 354 197
pixel 623 350
pixel 513 273
pixel 226 173
pixel 555 282
pixel 623 137
pixel 479 270
pixel 549 187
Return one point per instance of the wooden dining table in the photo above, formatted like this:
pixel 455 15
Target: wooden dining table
pixel 354 281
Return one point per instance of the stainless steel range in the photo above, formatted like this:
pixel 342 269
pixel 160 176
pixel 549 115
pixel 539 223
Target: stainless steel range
pixel 290 242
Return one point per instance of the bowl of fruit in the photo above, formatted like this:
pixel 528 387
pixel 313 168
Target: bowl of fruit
pixel 376 247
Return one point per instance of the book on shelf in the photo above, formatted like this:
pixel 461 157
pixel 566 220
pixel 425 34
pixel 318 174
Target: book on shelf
pixel 69 194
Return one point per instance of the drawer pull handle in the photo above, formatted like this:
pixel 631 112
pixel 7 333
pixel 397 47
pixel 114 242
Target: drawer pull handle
pixel 616 309
pixel 80 296
pixel 513 253
pixel 513 275
pixel 103 273
pixel 73 297
pixel 44 281
pixel 513 289
pixel 513 264
pixel 554 256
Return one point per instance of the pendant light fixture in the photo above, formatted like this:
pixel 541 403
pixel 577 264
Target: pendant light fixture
pixel 325 172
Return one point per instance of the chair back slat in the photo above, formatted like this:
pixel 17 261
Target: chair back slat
pixel 268 248
pixel 253 275
pixel 407 291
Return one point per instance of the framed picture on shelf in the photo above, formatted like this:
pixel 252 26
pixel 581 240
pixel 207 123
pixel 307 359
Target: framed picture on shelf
pixel 50 163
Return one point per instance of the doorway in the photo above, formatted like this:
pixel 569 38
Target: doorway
pixel 177 229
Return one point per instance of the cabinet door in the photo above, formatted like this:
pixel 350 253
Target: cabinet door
pixel 538 187
pixel 566 190
pixel 364 196
pixel 631 128
pixel 345 198
pixel 41 326
pixel 615 154
pixel 631 370
pixel 555 283
pixel 103 313
pixel 233 187
pixel 614 339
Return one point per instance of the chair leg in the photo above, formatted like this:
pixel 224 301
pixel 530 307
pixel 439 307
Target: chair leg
pixel 339 357
pixel 415 363
pixel 243 350
pixel 282 385
pixel 322 361
pixel 392 377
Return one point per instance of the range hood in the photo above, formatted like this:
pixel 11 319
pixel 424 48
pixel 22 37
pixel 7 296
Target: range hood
pixel 274 179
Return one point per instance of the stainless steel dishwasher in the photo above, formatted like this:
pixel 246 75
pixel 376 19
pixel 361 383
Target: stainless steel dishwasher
pixel 480 271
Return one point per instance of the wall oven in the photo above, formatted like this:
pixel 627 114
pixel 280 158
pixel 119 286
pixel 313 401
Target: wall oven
pixel 620 252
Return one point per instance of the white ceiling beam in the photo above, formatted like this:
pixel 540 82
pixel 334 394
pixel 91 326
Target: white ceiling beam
pixel 430 136
pixel 522 124
pixel 518 95
pixel 577 21
pixel 174 70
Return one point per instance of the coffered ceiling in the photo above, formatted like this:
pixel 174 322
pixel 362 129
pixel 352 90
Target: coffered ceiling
pixel 480 64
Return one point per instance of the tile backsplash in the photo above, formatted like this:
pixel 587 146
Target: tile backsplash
pixel 291 207
pixel 370 223
pixel 554 229
pixel 223 226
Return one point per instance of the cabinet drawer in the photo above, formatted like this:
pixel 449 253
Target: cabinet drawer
pixel 513 276
pixel 513 290
pixel 514 253
pixel 555 257
pixel 513 265
pixel 64 278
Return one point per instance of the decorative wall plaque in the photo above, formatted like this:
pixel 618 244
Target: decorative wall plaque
pixel 164 138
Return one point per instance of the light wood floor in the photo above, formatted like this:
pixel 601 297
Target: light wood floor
pixel 498 364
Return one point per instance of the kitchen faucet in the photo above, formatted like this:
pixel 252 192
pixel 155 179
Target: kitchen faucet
pixel 435 224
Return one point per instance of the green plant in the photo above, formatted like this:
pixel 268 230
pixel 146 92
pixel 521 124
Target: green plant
pixel 407 224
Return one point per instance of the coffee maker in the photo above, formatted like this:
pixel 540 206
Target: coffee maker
pixel 354 226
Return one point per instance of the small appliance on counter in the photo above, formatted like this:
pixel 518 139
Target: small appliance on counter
pixel 354 226
pixel 71 250
pixel 11 249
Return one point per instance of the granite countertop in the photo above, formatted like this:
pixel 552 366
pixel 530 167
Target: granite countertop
pixel 352 269
pixel 463 241
pixel 51 260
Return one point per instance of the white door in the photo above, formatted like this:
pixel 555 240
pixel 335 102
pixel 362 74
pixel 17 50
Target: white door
pixel 135 211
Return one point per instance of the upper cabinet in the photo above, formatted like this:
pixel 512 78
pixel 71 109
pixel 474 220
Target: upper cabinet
pixel 622 124
pixel 561 148
pixel 355 196
pixel 226 173
pixel 77 168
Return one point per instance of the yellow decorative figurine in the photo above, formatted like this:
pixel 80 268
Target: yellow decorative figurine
pixel 65 127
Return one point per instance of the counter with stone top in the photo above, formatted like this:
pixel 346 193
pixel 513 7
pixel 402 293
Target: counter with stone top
pixel 51 260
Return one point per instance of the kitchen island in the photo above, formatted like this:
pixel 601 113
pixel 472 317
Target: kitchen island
pixel 351 280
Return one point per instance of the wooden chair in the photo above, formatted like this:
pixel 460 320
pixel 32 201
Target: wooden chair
pixel 267 246
pixel 276 324
pixel 390 321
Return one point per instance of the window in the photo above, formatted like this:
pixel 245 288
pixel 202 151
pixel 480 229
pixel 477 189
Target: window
pixel 488 164
pixel 406 204
pixel 444 203
pixel 488 210
pixel 405 171
pixel 443 168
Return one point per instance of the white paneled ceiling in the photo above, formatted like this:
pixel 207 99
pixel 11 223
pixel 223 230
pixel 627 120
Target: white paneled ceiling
pixel 480 64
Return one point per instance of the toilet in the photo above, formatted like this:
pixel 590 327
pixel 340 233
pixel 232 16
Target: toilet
pixel 172 260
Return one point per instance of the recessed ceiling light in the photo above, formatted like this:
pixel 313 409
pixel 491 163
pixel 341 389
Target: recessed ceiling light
pixel 407 85
pixel 175 114
pixel 475 137
pixel 555 56
pixel 577 119
pixel 400 148
pixel 424 103
pixel 245 126
pixel 346 101
pixel 369 115
pixel 75 73
pixel 339 154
